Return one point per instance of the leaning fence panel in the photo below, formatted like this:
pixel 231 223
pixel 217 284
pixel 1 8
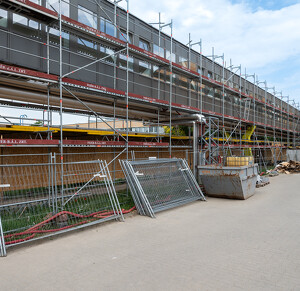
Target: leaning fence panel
pixel 32 208
pixel 160 184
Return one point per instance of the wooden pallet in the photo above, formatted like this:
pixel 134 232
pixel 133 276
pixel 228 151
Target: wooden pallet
pixel 262 184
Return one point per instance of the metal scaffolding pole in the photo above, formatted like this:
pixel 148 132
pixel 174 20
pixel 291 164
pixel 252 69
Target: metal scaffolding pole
pixel 160 26
pixel 189 67
pixel 171 85
pixel 214 57
pixel 61 104
pixel 199 65
pixel 127 76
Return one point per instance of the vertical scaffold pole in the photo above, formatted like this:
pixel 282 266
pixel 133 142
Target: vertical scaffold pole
pixel 201 90
pixel 61 104
pixel 171 87
pixel 281 113
pixel 266 139
pixel 288 122
pixel 127 76
pixel 223 113
pixel 189 67
pixel 274 126
pixel 48 89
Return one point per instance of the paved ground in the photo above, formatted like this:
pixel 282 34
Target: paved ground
pixel 218 245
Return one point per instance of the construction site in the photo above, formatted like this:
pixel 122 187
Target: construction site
pixel 150 117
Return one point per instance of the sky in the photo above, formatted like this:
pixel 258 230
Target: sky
pixel 262 36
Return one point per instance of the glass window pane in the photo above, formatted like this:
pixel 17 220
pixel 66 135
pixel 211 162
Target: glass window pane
pixel 145 68
pixel 110 29
pixel 123 64
pixel 168 56
pixel 54 5
pixel 54 37
pixel 87 43
pixel 18 19
pixel 144 45
pixel 123 36
pixel 183 62
pixel 158 50
pixel 3 18
pixel 87 17
pixel 33 24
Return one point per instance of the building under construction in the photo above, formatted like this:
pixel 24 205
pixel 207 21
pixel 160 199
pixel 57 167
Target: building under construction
pixel 93 58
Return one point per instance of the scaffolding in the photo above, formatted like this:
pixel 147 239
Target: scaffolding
pixel 226 82
pixel 214 89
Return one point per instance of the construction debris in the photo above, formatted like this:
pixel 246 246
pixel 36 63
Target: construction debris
pixel 262 181
pixel 273 173
pixel 288 167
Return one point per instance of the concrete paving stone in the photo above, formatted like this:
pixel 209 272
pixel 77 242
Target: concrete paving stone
pixel 215 245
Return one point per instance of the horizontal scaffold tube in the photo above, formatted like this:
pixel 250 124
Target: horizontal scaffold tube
pixel 69 102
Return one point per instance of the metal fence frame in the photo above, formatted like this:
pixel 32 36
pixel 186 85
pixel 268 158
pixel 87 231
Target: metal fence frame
pixel 101 182
pixel 137 187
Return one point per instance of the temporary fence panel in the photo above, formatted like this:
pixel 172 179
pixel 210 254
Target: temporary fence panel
pixel 160 184
pixel 34 203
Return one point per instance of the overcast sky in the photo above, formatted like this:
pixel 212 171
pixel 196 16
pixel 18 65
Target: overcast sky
pixel 262 36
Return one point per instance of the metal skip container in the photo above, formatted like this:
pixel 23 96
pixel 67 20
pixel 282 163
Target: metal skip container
pixel 229 182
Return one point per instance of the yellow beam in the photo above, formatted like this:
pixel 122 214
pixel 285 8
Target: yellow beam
pixel 23 128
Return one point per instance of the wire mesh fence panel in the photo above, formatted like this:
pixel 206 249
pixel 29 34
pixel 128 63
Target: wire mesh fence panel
pixel 161 184
pixel 35 201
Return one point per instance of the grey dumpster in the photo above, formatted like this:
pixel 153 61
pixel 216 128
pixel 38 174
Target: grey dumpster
pixel 229 182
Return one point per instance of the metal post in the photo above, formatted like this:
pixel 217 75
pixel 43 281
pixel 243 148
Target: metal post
pixel 274 127
pixel 199 101
pixel 48 89
pixel 2 241
pixel 171 87
pixel 60 103
pixel 223 109
pixel 281 117
pixel 201 90
pixel 196 126
pixel 127 76
pixel 189 66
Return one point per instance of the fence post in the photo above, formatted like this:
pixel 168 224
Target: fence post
pixel 2 242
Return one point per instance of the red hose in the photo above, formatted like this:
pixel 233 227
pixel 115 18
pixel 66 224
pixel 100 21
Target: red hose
pixel 34 230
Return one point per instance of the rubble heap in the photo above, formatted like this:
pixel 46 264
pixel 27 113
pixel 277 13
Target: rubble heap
pixel 288 167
